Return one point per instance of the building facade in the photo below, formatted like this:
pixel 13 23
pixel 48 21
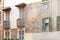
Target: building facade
pixel 1 20
pixel 34 21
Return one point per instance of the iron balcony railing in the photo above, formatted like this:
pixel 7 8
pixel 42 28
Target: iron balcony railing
pixel 6 24
pixel 20 22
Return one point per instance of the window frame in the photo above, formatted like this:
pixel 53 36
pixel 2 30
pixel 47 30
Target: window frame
pixel 44 0
pixel 32 10
pixel 46 23
pixel 21 13
pixel 21 34
pixel 7 35
pixel 45 6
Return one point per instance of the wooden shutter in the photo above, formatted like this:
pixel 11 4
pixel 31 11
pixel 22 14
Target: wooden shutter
pixel 50 24
pixel 58 23
pixel 43 25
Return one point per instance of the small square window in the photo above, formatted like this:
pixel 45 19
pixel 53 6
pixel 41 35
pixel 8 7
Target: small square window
pixel 21 15
pixel 45 7
pixel 46 27
pixel 44 0
pixel 21 35
pixel 46 20
pixel 7 35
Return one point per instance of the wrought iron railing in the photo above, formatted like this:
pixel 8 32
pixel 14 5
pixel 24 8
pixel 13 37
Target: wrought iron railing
pixel 6 24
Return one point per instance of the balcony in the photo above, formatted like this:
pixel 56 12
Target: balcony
pixel 6 24
pixel 22 5
pixel 20 23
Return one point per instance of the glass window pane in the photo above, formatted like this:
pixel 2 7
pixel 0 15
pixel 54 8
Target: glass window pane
pixel 22 37
pixel 31 12
pixel 23 32
pixel 7 16
pixel 44 0
pixel 7 35
pixel 46 27
pixel 21 15
pixel 19 32
pixel 46 21
pixel 44 6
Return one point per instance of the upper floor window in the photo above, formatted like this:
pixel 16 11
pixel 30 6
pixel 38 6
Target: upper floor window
pixel 7 16
pixel 46 20
pixel 22 13
pixel 0 15
pixel 45 6
pixel 32 10
pixel 44 0
pixel 0 35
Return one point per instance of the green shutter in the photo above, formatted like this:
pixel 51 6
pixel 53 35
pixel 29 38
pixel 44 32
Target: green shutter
pixel 43 25
pixel 50 24
pixel 58 23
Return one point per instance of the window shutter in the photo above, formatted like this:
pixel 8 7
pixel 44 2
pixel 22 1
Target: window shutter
pixel 58 23
pixel 50 24
pixel 43 25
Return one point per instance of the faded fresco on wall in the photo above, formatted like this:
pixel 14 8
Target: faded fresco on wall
pixel 32 27
pixel 33 19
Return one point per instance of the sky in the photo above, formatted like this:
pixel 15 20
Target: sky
pixel 15 2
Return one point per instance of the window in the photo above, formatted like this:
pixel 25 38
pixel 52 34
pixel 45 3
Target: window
pixel 32 12
pixel 21 35
pixel 7 35
pixel 7 16
pixel 0 15
pixel 46 21
pixel 45 6
pixel 22 15
pixel 44 0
